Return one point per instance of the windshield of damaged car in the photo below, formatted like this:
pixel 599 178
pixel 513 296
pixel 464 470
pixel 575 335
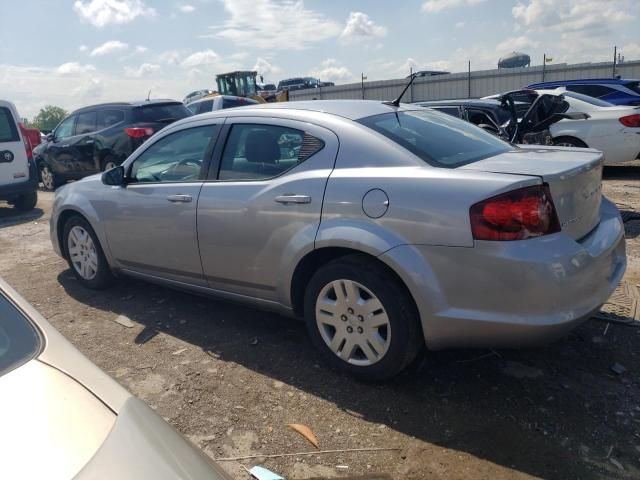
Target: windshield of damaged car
pixel 19 341
pixel 437 138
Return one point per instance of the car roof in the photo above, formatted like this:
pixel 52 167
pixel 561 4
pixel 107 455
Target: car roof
pixel 350 109
pixel 224 97
pixel 472 102
pixel 139 103
pixel 589 81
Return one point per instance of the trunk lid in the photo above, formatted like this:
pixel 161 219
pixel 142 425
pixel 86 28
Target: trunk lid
pixel 574 176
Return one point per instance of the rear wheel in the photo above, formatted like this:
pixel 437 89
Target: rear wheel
pixel 362 319
pixel 108 163
pixel 26 202
pixel 85 255
pixel 48 178
pixel 569 142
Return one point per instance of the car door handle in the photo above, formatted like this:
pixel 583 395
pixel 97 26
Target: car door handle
pixel 180 198
pixel 89 141
pixel 292 198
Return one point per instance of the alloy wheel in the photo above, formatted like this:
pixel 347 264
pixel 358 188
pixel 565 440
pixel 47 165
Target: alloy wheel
pixel 353 322
pixel 47 177
pixel 109 165
pixel 82 252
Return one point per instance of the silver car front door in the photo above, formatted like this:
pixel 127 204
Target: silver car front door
pixel 151 222
pixel 263 202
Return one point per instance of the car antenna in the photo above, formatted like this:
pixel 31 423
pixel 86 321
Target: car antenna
pixel 396 102
pixel 149 96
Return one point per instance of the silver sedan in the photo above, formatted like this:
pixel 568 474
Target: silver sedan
pixel 385 227
pixel 63 418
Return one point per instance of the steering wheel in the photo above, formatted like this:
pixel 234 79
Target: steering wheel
pixel 183 163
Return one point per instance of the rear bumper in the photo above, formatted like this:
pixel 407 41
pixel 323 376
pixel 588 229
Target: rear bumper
pixel 13 190
pixel 512 294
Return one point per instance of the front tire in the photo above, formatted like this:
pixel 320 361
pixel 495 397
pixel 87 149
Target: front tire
pixel 84 254
pixel 26 202
pixel 362 319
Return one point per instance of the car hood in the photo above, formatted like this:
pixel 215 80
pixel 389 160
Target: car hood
pixel 51 425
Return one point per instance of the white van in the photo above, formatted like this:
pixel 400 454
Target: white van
pixel 18 175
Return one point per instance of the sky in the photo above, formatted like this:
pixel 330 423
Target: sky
pixel 80 52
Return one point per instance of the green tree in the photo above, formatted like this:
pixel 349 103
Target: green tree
pixel 49 117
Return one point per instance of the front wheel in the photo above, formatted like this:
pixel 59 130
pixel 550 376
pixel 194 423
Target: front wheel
pixel 26 202
pixel 85 255
pixel 362 319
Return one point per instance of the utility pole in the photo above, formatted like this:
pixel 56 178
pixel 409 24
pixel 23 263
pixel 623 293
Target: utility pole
pixel 544 65
pixel 363 77
pixel 615 52
pixel 469 80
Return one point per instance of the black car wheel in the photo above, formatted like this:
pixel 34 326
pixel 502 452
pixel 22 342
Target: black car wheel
pixel 26 202
pixel 362 319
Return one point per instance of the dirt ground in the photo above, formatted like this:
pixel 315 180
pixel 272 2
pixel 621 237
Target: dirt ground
pixel 231 378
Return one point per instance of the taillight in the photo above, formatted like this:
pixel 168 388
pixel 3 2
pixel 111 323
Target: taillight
pixel 517 215
pixel 27 143
pixel 139 132
pixel 631 120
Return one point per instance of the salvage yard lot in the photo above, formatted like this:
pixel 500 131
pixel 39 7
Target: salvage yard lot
pixel 231 378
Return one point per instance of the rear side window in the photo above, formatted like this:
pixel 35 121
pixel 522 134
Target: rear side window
pixel 160 113
pixel 438 139
pixel 87 123
pixel 256 151
pixel 454 111
pixel 633 86
pixel 236 102
pixel 8 130
pixel 19 341
pixel 108 118
pixel 591 90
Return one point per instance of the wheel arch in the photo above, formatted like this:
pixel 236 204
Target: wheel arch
pixel 569 136
pixel 64 216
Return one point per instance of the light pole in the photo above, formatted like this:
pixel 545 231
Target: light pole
pixel 363 77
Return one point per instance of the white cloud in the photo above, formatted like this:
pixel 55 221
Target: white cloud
pixel 359 26
pixel 265 68
pixel 460 24
pixel 109 47
pixel 631 51
pixel 436 6
pixel 74 68
pixel 275 24
pixel 205 57
pixel 512 44
pixel 332 71
pixel 141 49
pixel 90 90
pixel 142 71
pixel 101 13
pixel 187 8
pixel 83 48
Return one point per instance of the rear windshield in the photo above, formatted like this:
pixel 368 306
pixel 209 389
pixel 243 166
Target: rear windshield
pixel 269 86
pixel 587 99
pixel 635 86
pixel 8 130
pixel 236 102
pixel 437 138
pixel 19 341
pixel 161 112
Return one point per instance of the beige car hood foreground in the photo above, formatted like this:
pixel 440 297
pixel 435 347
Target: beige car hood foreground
pixel 50 425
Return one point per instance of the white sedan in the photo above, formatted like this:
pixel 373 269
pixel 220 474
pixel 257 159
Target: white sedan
pixel 612 129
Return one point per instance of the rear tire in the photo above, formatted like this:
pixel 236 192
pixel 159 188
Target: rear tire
pixel 108 163
pixel 84 254
pixel 48 178
pixel 569 142
pixel 362 319
pixel 26 202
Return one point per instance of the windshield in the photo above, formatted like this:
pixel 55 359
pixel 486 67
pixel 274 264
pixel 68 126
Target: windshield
pixel 161 112
pixel 587 99
pixel 437 138
pixel 19 341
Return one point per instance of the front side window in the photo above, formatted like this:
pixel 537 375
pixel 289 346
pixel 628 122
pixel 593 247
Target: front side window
pixel 8 130
pixel 19 341
pixel 454 111
pixel 438 139
pixel 175 158
pixel 206 106
pixel 87 123
pixel 255 151
pixel 65 129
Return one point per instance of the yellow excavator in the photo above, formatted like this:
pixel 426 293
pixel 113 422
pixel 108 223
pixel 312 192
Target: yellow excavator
pixel 243 84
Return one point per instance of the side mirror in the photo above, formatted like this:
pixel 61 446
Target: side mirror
pixel 114 177
pixel 50 137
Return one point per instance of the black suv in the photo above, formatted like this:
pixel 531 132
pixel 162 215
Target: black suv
pixel 98 138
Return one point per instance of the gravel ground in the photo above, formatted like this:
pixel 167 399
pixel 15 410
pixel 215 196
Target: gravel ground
pixel 231 378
